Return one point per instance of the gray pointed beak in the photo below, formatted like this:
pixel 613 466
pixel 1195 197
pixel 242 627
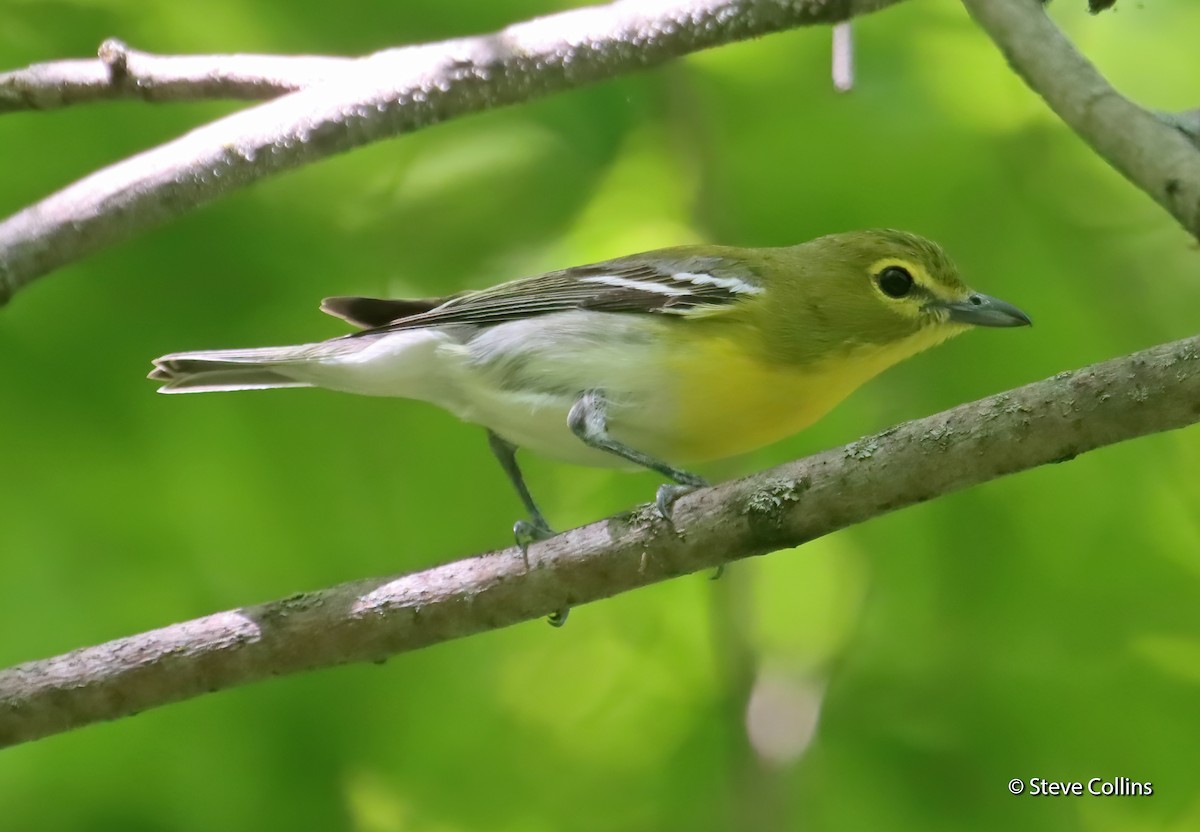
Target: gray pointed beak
pixel 984 310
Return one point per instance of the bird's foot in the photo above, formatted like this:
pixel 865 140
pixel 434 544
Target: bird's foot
pixel 664 499
pixel 526 532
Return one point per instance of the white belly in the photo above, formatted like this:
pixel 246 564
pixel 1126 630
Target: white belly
pixel 520 379
pixel 536 423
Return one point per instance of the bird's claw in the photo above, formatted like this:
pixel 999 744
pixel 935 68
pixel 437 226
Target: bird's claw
pixel 664 499
pixel 525 532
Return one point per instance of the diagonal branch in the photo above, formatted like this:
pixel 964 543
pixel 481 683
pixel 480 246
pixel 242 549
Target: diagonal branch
pixel 1150 152
pixel 1048 421
pixel 120 72
pixel 378 97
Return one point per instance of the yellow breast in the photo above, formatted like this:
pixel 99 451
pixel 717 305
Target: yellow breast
pixel 731 401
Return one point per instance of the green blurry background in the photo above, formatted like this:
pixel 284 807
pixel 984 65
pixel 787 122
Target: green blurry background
pixel 1047 625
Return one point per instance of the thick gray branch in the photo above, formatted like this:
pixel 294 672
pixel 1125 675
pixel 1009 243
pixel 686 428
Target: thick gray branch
pixel 1151 153
pixel 121 72
pixel 1049 421
pixel 377 97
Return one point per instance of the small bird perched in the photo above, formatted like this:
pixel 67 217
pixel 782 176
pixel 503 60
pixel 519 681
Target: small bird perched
pixel 657 360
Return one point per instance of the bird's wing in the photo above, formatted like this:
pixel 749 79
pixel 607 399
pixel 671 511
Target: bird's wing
pixel 681 285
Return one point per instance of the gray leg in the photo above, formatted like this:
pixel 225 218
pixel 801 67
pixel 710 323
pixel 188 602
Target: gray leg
pixel 588 419
pixel 525 531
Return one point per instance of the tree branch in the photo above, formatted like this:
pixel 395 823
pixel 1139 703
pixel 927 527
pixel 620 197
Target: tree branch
pixel 377 97
pixel 1186 122
pixel 1048 421
pixel 120 72
pixel 1149 152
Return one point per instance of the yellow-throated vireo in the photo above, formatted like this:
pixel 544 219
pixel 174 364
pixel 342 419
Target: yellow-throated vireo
pixel 658 360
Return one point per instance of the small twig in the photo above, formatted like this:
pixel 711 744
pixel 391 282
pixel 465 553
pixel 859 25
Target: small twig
pixel 843 57
pixel 1161 161
pixel 1048 421
pixel 121 72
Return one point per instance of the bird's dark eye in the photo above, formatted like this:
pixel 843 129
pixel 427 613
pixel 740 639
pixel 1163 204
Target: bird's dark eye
pixel 895 281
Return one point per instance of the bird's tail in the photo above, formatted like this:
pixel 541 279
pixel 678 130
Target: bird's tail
pixel 220 370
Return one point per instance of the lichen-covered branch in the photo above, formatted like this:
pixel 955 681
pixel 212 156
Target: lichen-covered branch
pixel 377 97
pixel 1153 154
pixel 1048 421
pixel 121 72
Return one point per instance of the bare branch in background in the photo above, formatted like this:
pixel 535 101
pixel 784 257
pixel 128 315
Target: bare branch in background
pixel 1151 154
pixel 1048 421
pixel 377 97
pixel 120 72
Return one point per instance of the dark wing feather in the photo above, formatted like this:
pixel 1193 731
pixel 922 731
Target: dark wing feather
pixel 374 312
pixel 582 287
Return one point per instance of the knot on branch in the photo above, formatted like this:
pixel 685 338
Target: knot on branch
pixel 114 54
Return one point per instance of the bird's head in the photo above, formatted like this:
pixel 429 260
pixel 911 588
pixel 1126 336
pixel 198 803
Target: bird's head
pixel 880 289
